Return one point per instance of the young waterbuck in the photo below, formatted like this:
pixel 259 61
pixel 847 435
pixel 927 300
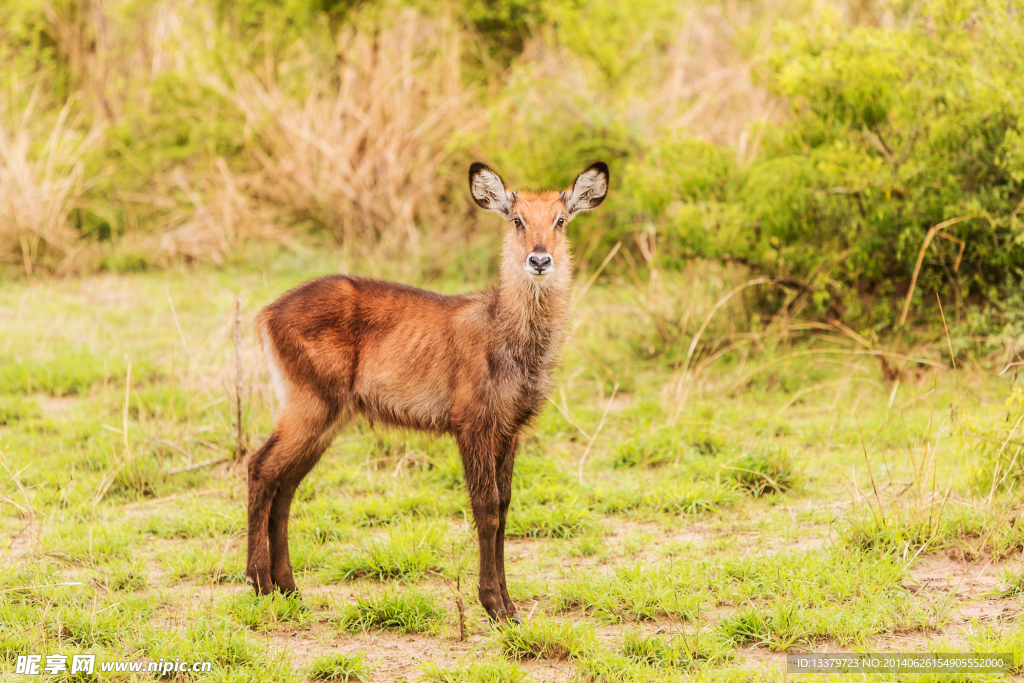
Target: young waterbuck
pixel 476 366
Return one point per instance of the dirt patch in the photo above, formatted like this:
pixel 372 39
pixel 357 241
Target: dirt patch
pixel 761 658
pixel 23 540
pixel 973 589
pixel 391 657
pixel 58 406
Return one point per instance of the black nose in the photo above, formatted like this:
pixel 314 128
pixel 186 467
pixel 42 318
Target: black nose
pixel 539 262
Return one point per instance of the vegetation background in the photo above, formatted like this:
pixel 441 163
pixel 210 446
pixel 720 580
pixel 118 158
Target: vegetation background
pixel 812 142
pixel 788 418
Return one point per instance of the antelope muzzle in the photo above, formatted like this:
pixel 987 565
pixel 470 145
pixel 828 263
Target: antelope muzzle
pixel 539 265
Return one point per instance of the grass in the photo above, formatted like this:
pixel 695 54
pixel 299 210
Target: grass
pixel 542 638
pixel 703 532
pixel 567 519
pixel 104 180
pixel 764 471
pixel 403 612
pixel 405 553
pixel 483 672
pixel 679 652
pixel 1012 582
pixel 253 612
pixel 339 667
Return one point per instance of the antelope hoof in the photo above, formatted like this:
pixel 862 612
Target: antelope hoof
pixel 286 585
pixel 262 585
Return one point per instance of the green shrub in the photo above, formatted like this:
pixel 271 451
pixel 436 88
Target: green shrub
pixel 893 130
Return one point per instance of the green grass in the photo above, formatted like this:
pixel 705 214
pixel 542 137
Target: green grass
pixel 677 498
pixel 613 667
pixel 764 471
pixel 543 638
pixel 401 611
pixel 207 563
pixel 126 576
pixel 654 447
pixel 731 521
pixel 255 612
pixel 1012 582
pixel 401 506
pixel 404 553
pixel 483 672
pixel 339 667
pixel 679 652
pixel 567 519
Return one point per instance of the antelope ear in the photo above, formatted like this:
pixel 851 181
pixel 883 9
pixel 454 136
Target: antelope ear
pixel 588 190
pixel 488 189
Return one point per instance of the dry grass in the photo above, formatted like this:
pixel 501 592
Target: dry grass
pixel 219 214
pixel 700 81
pixel 42 180
pixel 362 153
pixel 706 83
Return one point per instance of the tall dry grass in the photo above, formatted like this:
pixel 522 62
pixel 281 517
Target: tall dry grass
pixel 365 153
pixel 702 82
pixel 218 214
pixel 42 180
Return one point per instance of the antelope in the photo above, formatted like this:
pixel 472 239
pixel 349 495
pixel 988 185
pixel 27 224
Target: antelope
pixel 475 366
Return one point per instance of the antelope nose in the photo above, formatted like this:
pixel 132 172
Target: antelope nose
pixel 539 262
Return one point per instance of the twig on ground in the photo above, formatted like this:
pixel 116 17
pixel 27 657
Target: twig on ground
pixel 196 466
pixel 42 585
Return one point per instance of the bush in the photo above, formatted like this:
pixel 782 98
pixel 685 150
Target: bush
pixel 893 131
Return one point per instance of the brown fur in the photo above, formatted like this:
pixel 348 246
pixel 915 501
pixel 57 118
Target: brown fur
pixel 476 366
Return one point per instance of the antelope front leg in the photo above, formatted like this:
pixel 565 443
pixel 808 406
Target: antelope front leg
pixel 504 470
pixel 481 480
